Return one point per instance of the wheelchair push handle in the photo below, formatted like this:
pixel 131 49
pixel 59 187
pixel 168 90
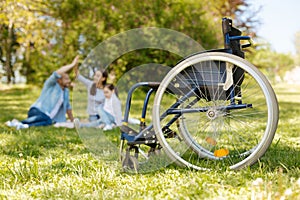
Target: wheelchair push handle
pixel 226 25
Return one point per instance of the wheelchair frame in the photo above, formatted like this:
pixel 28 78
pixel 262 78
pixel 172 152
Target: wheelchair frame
pixel 146 135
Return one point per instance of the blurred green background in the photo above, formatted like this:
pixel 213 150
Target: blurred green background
pixel 38 36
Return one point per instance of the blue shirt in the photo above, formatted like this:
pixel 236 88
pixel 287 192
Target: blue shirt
pixel 49 97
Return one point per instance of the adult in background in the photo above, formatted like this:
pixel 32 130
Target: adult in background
pixel 95 91
pixel 53 104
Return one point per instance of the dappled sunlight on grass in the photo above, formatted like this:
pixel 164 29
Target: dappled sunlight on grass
pixel 287 93
pixel 54 163
pixel 289 116
pixel 16 100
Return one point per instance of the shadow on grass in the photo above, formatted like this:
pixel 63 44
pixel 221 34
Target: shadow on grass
pixel 37 141
pixel 15 102
pixel 288 110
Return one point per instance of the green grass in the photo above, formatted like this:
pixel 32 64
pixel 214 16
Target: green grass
pixel 53 163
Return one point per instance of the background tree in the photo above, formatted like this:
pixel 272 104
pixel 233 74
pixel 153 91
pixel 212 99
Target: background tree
pixel 272 63
pixel 8 38
pixel 50 32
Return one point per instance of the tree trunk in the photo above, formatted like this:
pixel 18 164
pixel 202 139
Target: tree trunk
pixel 8 63
pixel 8 53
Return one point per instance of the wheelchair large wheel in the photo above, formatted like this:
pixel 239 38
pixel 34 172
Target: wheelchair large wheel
pixel 223 109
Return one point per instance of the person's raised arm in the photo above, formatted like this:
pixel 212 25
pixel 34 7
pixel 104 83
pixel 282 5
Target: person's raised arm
pixel 81 78
pixel 68 67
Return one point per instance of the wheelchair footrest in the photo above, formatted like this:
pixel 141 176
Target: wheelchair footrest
pixel 147 138
pixel 128 130
pixel 141 140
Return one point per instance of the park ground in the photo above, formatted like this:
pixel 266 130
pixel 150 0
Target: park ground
pixel 53 163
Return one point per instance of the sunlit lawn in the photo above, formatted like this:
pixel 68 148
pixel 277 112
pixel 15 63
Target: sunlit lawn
pixel 53 163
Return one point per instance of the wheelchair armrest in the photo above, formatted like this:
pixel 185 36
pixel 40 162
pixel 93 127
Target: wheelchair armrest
pixel 232 37
pixel 238 38
pixel 246 45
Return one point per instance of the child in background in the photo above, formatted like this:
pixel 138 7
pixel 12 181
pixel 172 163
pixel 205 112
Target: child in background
pixel 110 111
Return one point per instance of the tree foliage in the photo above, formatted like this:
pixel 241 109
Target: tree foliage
pixel 38 36
pixel 271 62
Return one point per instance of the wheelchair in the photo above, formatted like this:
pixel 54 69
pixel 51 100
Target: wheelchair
pixel 212 110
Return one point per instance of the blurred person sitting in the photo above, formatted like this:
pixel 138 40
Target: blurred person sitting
pixel 53 103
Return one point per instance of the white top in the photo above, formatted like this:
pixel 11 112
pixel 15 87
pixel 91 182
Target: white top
pixel 113 107
pixel 57 106
pixel 93 101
